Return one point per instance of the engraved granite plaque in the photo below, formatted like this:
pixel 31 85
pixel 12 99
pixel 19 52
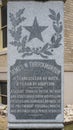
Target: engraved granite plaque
pixel 35 91
pixel 35 64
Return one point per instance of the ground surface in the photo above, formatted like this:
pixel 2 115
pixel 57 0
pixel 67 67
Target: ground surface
pixel 3 123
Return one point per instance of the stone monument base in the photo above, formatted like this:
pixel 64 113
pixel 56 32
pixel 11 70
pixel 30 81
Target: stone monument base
pixel 36 126
pixel 40 129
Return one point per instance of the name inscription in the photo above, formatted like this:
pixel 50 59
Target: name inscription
pixel 35 91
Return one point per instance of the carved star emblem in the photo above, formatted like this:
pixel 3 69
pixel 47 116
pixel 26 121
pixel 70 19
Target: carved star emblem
pixel 35 30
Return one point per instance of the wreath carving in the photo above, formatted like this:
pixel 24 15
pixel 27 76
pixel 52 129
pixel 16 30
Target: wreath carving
pixel 21 43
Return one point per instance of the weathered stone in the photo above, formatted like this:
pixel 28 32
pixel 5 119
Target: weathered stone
pixel 35 59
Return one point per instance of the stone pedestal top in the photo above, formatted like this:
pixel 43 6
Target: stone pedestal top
pixel 38 0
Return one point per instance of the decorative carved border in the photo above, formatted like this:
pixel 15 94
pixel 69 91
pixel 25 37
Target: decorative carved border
pixel 21 43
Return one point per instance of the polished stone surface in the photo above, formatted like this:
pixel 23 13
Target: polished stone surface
pixel 35 64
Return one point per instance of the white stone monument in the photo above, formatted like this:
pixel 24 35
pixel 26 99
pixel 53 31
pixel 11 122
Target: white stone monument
pixel 35 64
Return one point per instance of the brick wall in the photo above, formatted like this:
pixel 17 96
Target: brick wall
pixel 3 60
pixel 3 67
pixel 68 40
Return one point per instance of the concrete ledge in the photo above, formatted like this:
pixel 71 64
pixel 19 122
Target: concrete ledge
pixel 3 76
pixel 36 126
pixel 3 70
pixel 4 52
pixel 3 73
pixel 37 129
pixel 68 67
